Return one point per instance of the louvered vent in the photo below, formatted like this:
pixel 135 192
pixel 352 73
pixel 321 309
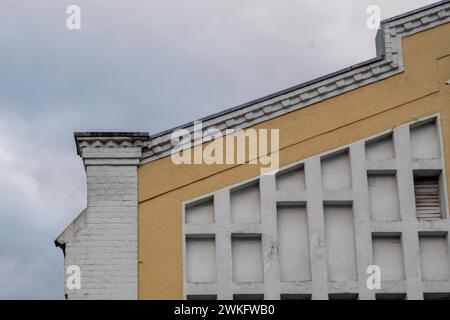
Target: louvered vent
pixel 427 197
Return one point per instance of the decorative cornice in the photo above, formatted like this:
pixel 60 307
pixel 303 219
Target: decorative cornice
pixel 389 61
pixel 109 140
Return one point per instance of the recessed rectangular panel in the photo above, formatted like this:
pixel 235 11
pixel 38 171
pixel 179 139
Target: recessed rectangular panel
pixel 200 213
pixel 390 296
pixel 292 180
pixel 245 205
pixel 295 297
pixel 200 260
pixel 434 257
pixel 340 243
pixel 293 244
pixel 436 296
pixel 424 141
pixel 247 262
pixel 380 149
pixel 383 197
pixel 201 297
pixel 336 172
pixel 248 297
pixel 343 296
pixel 387 254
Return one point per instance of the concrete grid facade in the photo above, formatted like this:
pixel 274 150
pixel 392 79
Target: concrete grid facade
pixel 312 230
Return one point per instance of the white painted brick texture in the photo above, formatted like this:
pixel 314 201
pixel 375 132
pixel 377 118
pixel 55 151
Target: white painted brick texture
pixel 102 240
pixel 105 243
pixel 106 247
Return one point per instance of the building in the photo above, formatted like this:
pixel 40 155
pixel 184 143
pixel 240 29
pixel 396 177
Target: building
pixel 363 156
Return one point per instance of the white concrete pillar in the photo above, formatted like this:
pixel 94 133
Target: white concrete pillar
pixel 316 229
pixel 362 217
pixel 410 238
pixel 269 237
pixel 223 244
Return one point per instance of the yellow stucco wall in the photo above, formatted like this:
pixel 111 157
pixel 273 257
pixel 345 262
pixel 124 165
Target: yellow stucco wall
pixel 417 92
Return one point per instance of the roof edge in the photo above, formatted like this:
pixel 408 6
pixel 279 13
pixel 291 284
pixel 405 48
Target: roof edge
pixel 414 11
pixel 388 62
pixel 380 53
pixel 111 134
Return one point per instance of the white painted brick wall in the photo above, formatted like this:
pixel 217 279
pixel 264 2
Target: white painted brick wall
pixel 105 247
pixel 102 240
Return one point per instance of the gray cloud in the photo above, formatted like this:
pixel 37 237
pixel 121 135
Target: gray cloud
pixel 140 66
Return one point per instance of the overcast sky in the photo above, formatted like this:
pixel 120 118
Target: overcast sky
pixel 135 65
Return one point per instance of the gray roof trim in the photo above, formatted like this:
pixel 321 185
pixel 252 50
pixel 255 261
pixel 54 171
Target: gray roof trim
pixel 380 54
pixel 270 96
pixel 412 12
pixel 110 134
pixel 388 62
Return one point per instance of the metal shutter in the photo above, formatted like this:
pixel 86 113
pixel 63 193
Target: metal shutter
pixel 427 197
